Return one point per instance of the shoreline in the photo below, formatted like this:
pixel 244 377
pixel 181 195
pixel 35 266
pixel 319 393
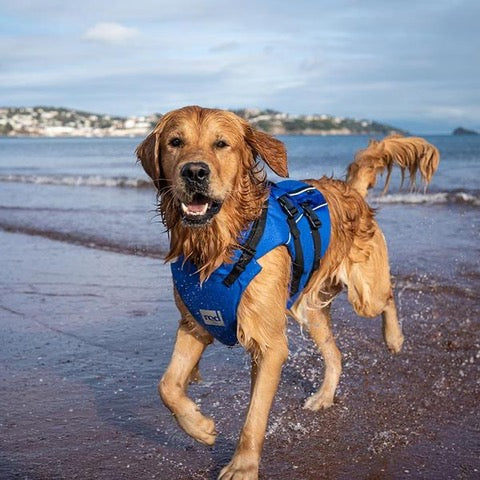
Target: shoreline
pixel 286 134
pixel 282 134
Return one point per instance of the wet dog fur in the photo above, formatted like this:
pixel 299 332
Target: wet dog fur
pixel 206 166
pixel 412 154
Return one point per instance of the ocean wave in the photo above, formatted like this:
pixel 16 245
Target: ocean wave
pixel 79 180
pixel 432 198
pixel 453 197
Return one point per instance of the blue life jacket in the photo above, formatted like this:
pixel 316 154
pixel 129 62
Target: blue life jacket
pixel 295 215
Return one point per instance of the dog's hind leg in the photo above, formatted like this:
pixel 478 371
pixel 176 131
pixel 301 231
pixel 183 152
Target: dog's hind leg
pixel 370 290
pixel 190 343
pixel 320 329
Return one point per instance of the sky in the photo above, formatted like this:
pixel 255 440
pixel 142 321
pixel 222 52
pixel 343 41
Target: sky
pixel 412 64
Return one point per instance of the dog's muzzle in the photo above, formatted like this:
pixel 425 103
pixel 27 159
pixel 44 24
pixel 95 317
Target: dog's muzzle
pixel 198 208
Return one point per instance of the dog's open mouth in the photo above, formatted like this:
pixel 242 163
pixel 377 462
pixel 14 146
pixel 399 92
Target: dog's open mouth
pixel 199 210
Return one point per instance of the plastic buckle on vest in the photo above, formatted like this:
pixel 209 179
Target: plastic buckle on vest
pixel 243 261
pixel 240 266
pixel 237 269
pixel 288 206
pixel 315 222
pixel 250 252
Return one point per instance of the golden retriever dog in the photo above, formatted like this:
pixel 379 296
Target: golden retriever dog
pixel 409 153
pixel 211 186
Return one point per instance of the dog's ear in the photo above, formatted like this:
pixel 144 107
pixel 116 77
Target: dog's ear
pixel 148 154
pixel 271 150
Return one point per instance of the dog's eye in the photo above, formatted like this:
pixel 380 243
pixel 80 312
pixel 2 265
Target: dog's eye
pixel 175 142
pixel 221 144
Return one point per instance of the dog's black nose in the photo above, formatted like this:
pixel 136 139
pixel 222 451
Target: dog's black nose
pixel 195 172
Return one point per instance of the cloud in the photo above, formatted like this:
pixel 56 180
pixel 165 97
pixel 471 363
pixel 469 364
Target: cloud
pixel 109 32
pixel 224 47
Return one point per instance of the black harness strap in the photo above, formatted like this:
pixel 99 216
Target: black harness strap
pixel 248 248
pixel 256 233
pixel 315 225
pixel 297 269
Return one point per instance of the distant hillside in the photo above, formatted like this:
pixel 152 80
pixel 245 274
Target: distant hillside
pixel 279 123
pixel 464 131
pixel 63 122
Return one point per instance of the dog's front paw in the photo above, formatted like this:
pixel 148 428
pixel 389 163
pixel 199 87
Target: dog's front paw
pixel 319 401
pixel 240 468
pixel 198 426
pixel 394 342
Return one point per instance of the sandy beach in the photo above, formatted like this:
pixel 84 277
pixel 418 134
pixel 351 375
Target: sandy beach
pixel 86 334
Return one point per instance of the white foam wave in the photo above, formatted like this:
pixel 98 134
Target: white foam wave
pixel 453 197
pixel 78 180
pixel 428 198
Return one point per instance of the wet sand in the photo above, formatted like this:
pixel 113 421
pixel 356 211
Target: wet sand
pixel 87 333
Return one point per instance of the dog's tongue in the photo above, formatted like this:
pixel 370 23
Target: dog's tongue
pixel 197 207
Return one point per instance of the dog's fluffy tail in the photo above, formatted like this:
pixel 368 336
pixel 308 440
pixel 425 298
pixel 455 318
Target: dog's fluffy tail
pixel 414 154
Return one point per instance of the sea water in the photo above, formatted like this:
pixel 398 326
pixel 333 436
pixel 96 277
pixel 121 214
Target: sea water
pixel 92 192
